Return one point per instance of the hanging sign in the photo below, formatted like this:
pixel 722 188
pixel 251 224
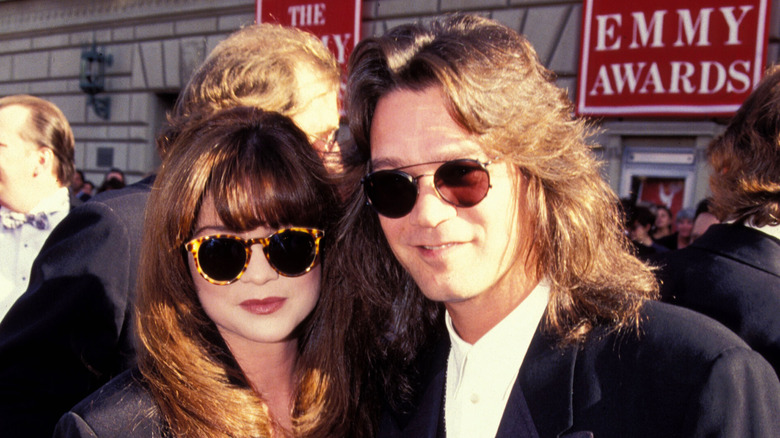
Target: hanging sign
pixel 335 22
pixel 670 57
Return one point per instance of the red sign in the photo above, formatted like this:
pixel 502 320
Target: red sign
pixel 670 57
pixel 336 22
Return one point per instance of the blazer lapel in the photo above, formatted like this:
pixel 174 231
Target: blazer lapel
pixel 547 380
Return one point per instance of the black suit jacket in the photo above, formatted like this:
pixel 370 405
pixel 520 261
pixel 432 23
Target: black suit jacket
pixel 684 376
pixel 121 408
pixel 732 274
pixel 71 331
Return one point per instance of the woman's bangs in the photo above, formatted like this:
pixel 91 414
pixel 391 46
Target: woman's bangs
pixel 260 191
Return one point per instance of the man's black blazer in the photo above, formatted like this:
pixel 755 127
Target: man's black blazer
pixel 71 331
pixel 732 274
pixel 684 375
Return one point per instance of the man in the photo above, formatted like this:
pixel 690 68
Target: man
pixel 732 272
pixel 485 203
pixel 72 330
pixel 36 167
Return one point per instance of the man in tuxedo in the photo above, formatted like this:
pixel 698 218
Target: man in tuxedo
pixel 72 330
pixel 732 272
pixel 36 168
pixel 513 305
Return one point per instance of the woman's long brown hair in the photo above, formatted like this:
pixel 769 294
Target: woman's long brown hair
pixel 260 170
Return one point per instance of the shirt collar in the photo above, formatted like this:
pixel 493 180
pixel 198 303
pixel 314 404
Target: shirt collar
pixel 516 329
pixel 772 230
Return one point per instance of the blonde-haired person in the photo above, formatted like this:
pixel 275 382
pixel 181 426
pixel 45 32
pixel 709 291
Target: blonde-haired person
pixel 36 168
pixel 237 338
pixel 267 66
pixel 74 323
pixel 512 304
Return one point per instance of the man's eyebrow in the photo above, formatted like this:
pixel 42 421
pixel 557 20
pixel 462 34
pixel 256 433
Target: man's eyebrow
pixel 386 163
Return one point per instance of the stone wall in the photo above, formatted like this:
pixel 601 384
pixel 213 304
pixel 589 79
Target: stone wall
pixel 154 45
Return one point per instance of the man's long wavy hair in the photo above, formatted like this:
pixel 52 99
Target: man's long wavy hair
pixel 496 89
pixel 745 159
pixel 260 170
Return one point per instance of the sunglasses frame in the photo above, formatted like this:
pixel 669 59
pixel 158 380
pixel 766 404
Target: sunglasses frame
pixel 193 247
pixel 415 180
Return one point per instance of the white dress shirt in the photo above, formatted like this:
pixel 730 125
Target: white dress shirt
pixel 19 247
pixel 480 377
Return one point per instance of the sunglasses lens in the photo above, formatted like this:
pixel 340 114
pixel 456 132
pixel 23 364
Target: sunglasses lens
pixel 291 252
pixel 392 193
pixel 462 182
pixel 222 259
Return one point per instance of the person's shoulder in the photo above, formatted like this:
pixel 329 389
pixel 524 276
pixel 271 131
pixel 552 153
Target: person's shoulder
pixel 678 327
pixel 140 189
pixel 681 342
pixel 124 206
pixel 671 339
pixel 122 407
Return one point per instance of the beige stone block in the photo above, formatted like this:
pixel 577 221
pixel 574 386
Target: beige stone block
pixel 565 58
pixel 73 106
pixel 34 65
pixel 469 5
pixel 17 45
pixel 66 63
pixel 50 41
pixel 10 88
pixel 118 132
pixel 52 86
pixel 542 27
pixel 151 57
pixel 87 133
pixel 512 18
pixel 229 23
pixel 121 58
pixel 154 30
pixel 397 8
pixel 122 34
pixel 6 62
pixel 193 52
pixel 140 104
pixel 195 26
pixel 82 39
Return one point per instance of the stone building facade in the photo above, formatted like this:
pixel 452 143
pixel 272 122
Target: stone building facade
pixel 155 45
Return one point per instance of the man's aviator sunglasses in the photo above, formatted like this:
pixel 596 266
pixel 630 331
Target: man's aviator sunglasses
pixel 222 258
pixel 392 193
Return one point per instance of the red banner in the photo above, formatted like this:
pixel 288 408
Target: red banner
pixel 336 22
pixel 670 57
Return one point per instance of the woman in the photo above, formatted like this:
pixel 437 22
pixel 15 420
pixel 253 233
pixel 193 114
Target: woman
pixel 663 223
pixel 235 337
pixel 682 236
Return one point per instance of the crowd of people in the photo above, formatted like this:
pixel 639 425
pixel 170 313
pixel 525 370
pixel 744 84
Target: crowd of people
pixel 652 231
pixel 455 265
